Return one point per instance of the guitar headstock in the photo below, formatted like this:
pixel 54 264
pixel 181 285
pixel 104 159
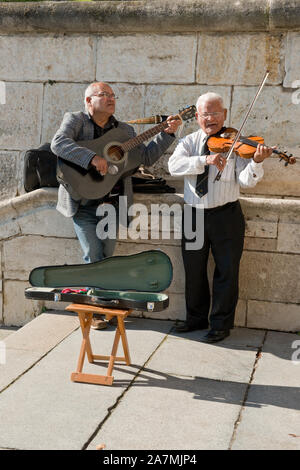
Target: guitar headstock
pixel 187 113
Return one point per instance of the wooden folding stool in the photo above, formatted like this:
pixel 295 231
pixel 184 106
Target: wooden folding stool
pixel 85 314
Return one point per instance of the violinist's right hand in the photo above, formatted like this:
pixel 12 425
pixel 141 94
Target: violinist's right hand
pixel 100 164
pixel 216 159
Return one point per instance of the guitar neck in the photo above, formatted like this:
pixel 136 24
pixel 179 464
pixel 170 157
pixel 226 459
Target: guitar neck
pixel 139 139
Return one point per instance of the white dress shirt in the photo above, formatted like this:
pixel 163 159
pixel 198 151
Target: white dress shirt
pixel 187 161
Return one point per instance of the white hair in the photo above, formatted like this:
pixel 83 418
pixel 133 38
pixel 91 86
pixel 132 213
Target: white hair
pixel 209 96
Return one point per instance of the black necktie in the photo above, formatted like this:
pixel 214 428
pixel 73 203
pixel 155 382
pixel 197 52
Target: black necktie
pixel 202 179
pixel 201 187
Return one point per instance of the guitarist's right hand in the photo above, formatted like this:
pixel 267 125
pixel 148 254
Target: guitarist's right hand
pixel 100 164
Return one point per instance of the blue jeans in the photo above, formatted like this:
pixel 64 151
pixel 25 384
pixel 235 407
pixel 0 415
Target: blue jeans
pixel 85 224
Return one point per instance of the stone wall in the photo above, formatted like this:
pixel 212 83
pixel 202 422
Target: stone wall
pixel 34 234
pixel 153 72
pixel 158 56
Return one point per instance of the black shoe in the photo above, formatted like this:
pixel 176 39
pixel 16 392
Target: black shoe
pixel 213 336
pixel 185 327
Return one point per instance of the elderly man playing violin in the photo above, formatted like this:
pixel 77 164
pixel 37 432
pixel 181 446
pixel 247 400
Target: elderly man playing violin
pixel 224 224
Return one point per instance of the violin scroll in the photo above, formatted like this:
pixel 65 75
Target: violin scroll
pixel 289 159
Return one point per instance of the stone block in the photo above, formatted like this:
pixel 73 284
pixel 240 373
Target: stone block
pixel 278 180
pixel 274 116
pixel 130 103
pixel 56 57
pixel 170 99
pixel 21 116
pixel 240 313
pixel 271 209
pixel 8 225
pixel 16 309
pixel 292 78
pixel 289 238
pixel 261 228
pixel 290 213
pixel 19 176
pixel 8 182
pixel 46 221
pixel 250 56
pixel 270 277
pixel 261 220
pixel 139 58
pixel 37 251
pixel 273 315
pixel 260 244
pixel 60 98
pixel 69 97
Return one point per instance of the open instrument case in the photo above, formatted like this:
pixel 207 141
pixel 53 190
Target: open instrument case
pixel 131 282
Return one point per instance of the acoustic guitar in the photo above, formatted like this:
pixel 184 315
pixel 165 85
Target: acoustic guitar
pixel 122 154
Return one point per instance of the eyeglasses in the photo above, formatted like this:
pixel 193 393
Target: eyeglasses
pixel 103 94
pixel 206 115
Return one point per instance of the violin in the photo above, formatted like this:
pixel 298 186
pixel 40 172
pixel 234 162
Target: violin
pixel 245 147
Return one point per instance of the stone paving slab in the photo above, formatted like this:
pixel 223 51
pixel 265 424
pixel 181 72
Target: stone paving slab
pixel 178 393
pixel 44 332
pixel 271 417
pixel 162 411
pixel 231 359
pixel 43 409
pixel 26 346
pixel 188 396
pixel 6 331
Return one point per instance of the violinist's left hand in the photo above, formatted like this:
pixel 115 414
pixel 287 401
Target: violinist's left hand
pixel 173 125
pixel 262 152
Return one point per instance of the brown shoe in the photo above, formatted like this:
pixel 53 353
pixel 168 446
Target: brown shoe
pixel 98 324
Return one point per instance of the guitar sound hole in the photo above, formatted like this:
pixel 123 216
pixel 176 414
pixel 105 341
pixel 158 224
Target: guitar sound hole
pixel 115 153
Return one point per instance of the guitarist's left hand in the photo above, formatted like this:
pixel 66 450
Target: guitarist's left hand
pixel 173 125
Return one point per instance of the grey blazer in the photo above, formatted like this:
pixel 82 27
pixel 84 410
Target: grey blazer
pixel 79 126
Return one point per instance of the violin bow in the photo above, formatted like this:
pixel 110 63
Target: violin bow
pixel 243 123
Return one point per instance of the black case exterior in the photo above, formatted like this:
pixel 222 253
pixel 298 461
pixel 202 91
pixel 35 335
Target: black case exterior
pixel 133 281
pixel 144 301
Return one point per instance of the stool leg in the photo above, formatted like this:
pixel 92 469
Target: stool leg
pixel 113 352
pixel 122 330
pixel 85 323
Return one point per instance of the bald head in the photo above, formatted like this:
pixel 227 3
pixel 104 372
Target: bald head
pixel 91 90
pixel 100 101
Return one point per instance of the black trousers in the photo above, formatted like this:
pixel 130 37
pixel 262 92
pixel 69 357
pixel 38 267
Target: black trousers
pixel 224 229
